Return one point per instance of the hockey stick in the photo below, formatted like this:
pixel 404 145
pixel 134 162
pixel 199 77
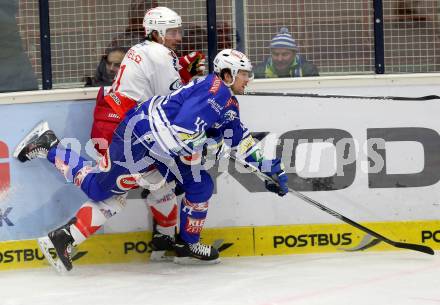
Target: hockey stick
pixel 415 247
pixel 395 98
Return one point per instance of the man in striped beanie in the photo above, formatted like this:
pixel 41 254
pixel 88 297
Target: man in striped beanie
pixel 285 60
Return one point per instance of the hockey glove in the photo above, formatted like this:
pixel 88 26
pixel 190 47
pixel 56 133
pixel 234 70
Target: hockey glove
pixel 191 65
pixel 275 169
pixel 204 146
pixel 213 147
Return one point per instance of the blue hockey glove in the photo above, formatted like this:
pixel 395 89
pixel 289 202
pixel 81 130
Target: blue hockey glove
pixel 275 169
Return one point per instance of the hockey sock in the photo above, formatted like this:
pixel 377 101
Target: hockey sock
pixel 92 215
pixel 67 161
pixel 163 205
pixel 192 219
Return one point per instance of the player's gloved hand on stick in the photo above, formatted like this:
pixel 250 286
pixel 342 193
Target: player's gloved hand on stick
pixel 275 169
pixel 191 65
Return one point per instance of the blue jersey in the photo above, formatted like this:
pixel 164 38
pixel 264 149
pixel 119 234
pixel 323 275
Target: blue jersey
pixel 180 121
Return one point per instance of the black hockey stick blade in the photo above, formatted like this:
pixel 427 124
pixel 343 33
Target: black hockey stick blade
pixel 420 248
pixel 409 246
pixel 415 247
pixel 395 98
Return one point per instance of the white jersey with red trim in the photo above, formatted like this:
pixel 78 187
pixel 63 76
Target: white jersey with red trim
pixel 148 69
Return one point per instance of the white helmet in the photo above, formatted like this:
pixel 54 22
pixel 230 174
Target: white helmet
pixel 161 19
pixel 233 60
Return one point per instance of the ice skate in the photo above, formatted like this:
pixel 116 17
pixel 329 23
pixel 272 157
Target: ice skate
pixel 60 240
pixel 162 247
pixel 36 144
pixel 195 254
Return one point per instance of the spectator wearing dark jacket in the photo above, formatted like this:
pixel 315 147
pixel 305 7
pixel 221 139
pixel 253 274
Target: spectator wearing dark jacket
pixel 284 60
pixel 107 68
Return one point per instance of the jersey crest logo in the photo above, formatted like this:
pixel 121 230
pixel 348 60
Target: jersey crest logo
pixel 230 115
pixel 215 85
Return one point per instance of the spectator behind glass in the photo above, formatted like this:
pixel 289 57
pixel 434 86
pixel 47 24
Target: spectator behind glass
pixel 285 60
pixel 107 68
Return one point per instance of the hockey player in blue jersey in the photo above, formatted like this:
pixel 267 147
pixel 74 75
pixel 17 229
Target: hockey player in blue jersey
pixel 174 133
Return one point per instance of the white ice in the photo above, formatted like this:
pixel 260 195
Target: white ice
pixel 381 278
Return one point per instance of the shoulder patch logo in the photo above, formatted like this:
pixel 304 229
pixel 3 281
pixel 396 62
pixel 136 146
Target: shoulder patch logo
pixel 215 85
pixel 232 102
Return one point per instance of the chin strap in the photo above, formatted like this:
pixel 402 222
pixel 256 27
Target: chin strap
pixel 229 84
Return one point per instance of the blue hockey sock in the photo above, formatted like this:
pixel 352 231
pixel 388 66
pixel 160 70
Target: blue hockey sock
pixel 67 161
pixel 192 219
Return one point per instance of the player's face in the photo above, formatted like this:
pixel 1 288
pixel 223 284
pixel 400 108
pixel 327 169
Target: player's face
pixel 282 59
pixel 241 81
pixel 172 38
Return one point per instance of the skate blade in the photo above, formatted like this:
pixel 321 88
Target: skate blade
pixel 194 261
pixel 38 130
pixel 162 256
pixel 45 245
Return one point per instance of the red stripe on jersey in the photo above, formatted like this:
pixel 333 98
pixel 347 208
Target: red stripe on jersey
pixel 232 102
pixel 119 103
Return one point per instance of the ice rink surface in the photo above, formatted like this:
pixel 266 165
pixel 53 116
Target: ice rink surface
pixel 381 278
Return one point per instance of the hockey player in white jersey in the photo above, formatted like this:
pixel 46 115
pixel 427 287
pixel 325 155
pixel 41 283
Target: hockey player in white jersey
pixel 149 68
pixel 152 67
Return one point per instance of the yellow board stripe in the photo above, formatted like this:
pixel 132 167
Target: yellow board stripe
pixel 233 242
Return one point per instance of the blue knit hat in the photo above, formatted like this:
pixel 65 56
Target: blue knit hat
pixel 283 40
